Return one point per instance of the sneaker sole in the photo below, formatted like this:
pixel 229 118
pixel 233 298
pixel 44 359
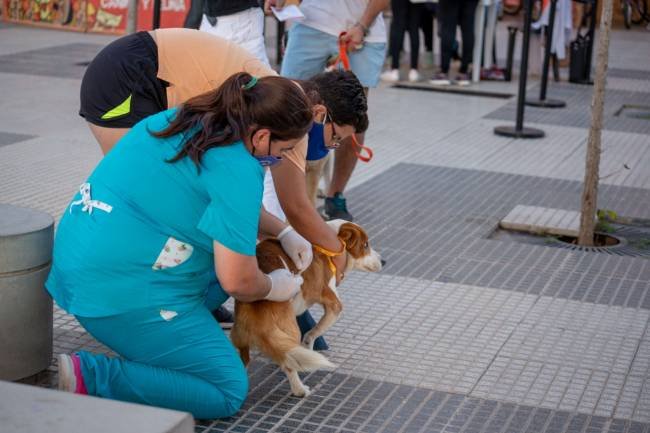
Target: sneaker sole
pixel 67 381
pixel 440 82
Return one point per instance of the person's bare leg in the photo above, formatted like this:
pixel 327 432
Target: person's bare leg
pixel 345 159
pixel 107 137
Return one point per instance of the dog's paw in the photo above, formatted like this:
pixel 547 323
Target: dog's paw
pixel 308 341
pixel 304 391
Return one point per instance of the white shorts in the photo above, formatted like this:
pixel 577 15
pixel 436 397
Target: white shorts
pixel 245 28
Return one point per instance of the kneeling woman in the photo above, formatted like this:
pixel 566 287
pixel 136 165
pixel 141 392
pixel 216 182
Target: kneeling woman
pixel 161 233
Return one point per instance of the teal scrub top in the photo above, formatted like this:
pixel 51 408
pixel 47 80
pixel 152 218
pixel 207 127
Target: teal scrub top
pixel 136 255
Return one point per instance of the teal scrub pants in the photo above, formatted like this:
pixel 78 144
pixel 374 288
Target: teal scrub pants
pixel 184 362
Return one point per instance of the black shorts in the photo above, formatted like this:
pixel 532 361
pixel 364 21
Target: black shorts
pixel 120 86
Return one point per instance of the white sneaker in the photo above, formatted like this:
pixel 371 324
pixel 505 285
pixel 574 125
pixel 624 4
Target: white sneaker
pixel 462 79
pixel 392 75
pixel 414 75
pixel 67 378
pixel 440 79
pixel 70 377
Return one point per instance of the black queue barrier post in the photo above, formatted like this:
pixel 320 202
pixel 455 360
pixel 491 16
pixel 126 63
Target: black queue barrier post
pixel 156 14
pixel 518 131
pixel 590 47
pixel 543 102
pixel 278 42
pixel 512 36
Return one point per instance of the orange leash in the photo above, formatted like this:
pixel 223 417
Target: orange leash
pixel 344 60
pixel 329 254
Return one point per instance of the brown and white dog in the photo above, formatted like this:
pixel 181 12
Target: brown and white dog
pixel 271 327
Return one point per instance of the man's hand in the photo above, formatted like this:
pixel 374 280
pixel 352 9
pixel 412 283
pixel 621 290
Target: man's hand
pixel 354 37
pixel 296 247
pixel 278 4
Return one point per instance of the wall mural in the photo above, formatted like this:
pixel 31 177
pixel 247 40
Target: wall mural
pixel 103 16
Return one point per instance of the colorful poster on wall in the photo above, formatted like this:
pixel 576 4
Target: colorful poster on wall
pixel 104 16
pixel 60 13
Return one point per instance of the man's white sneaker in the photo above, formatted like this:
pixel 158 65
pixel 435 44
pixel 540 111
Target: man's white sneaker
pixel 414 75
pixel 391 76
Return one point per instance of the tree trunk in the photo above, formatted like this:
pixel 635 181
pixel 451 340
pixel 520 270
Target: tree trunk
pixel 590 191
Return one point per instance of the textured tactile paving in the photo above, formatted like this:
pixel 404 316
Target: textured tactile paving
pixel 577 112
pixel 437 221
pixel 413 338
pixel 59 61
pixel 634 74
pixel 7 138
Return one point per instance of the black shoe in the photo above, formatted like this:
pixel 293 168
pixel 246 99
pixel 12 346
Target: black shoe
pixel 335 208
pixel 224 317
pixel 305 323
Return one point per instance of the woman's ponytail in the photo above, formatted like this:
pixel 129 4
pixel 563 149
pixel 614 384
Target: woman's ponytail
pixel 229 113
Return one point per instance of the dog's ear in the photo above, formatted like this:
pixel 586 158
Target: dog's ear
pixel 355 238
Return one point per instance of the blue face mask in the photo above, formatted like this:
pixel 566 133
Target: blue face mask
pixel 316 148
pixel 267 160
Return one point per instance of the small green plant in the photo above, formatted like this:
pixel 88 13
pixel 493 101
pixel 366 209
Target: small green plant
pixel 605 218
pixel 641 244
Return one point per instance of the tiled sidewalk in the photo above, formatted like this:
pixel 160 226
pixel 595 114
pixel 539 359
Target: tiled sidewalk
pixel 462 331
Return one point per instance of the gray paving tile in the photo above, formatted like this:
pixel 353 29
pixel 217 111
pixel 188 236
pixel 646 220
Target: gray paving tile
pixel 64 61
pixel 451 213
pixel 576 95
pixel 7 138
pixel 635 74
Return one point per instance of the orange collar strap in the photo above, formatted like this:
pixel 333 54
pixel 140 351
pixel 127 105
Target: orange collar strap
pixel 343 53
pixel 344 60
pixel 329 254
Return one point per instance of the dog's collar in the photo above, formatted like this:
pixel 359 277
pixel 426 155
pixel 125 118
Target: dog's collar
pixel 329 254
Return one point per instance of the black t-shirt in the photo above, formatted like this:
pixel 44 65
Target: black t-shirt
pixel 217 8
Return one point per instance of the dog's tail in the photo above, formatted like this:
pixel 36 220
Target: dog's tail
pixel 302 359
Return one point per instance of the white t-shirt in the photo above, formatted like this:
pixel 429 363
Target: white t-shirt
pixel 336 16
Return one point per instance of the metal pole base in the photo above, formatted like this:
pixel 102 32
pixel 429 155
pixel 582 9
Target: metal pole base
pixel 512 131
pixel 546 103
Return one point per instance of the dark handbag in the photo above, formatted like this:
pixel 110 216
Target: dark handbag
pixel 578 63
pixel 581 48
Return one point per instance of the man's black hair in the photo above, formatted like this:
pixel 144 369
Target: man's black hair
pixel 342 93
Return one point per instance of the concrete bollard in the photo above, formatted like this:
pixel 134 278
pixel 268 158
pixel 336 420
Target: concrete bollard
pixel 26 238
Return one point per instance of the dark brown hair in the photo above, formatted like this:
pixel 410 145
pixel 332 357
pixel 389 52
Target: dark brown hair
pixel 342 94
pixel 236 110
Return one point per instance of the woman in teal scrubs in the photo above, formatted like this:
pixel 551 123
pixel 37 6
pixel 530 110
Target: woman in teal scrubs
pixel 161 233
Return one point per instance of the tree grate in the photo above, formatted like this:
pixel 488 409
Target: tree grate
pixel 635 240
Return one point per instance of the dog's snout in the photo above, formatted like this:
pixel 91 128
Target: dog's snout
pixel 375 262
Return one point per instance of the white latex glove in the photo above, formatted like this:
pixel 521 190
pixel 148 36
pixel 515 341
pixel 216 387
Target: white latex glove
pixel 284 285
pixel 296 247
